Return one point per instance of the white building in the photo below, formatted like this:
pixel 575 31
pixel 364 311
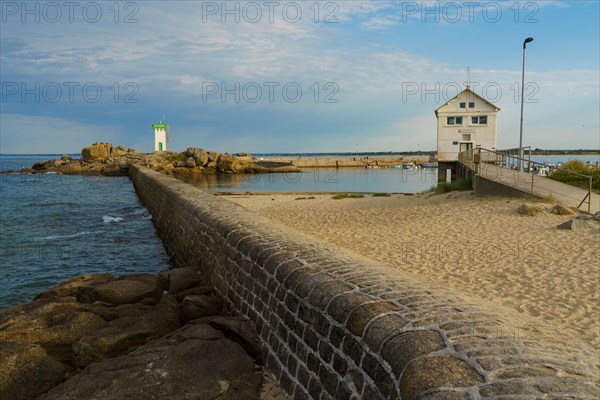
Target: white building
pixel 463 123
pixel 161 136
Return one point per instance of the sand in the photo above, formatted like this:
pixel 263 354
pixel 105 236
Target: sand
pixel 477 246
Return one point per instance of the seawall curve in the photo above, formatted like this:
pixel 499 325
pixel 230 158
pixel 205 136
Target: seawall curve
pixel 335 325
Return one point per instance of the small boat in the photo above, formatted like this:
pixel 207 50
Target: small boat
pixel 430 164
pixel 408 166
pixel 543 171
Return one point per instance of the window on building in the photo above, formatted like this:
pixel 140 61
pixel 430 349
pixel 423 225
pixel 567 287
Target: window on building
pixel 463 105
pixel 480 120
pixel 454 121
pixel 472 104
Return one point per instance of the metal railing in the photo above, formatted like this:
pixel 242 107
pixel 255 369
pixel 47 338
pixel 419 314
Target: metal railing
pixel 504 166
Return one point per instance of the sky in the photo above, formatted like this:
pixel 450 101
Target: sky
pixel 292 76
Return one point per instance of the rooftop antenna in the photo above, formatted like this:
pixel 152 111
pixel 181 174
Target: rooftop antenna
pixel 167 130
pixel 468 77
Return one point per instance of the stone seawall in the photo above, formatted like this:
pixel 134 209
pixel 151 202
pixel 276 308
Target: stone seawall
pixel 334 325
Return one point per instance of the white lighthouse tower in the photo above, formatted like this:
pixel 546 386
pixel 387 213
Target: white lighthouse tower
pixel 161 136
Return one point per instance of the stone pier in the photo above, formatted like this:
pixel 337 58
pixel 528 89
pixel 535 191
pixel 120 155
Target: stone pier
pixel 333 325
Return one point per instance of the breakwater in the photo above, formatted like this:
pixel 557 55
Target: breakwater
pixel 334 325
pixel 346 162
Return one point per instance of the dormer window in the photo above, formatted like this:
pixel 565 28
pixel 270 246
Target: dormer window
pixel 454 121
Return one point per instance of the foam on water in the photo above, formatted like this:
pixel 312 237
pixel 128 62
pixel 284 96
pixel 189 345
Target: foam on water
pixel 108 219
pixel 54 237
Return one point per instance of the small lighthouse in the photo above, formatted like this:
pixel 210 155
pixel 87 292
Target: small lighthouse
pixel 161 136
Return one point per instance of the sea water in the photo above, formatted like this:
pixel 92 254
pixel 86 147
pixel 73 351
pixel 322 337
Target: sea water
pixel 321 180
pixel 54 227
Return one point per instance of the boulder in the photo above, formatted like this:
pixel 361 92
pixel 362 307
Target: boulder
pixel 129 327
pixel 531 209
pixel 189 162
pixel 118 151
pixel 212 165
pixel 70 287
pixel 72 168
pixel 227 163
pixel 102 151
pixel 163 279
pixel 596 216
pixel 44 165
pixel 28 371
pixel 199 306
pixel 561 210
pixel 213 156
pixel 95 151
pixel 197 290
pixel 194 362
pixel 240 330
pixel 566 225
pixel 126 290
pixel 54 325
pixel 200 156
pixel 181 279
pixel 581 225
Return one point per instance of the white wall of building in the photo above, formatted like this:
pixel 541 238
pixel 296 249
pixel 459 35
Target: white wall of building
pixel 160 136
pixel 452 138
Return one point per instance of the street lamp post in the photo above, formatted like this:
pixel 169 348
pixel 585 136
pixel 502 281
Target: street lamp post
pixel 521 155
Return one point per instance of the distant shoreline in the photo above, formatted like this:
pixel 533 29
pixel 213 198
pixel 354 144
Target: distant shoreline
pixel 342 154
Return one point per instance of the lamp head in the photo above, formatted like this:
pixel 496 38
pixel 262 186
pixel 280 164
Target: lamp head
pixel 529 39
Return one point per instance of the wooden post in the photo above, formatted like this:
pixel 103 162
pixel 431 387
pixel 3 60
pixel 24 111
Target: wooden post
pixel 590 195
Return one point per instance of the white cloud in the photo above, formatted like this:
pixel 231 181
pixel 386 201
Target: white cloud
pixel 172 51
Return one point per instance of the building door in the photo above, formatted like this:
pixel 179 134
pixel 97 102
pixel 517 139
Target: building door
pixel 466 150
pixel 159 146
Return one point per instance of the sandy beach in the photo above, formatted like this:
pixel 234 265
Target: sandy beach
pixel 477 246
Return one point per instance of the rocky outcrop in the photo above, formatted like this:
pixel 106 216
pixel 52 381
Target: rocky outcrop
pixel 199 306
pixel 127 290
pixel 200 156
pixel 133 325
pixel 102 151
pixel 94 332
pixel 53 324
pixel 229 164
pixel 109 160
pixel 194 362
pixel 27 370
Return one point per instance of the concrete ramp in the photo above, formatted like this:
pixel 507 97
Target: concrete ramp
pixel 494 179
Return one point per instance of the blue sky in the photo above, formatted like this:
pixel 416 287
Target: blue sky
pixel 370 73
